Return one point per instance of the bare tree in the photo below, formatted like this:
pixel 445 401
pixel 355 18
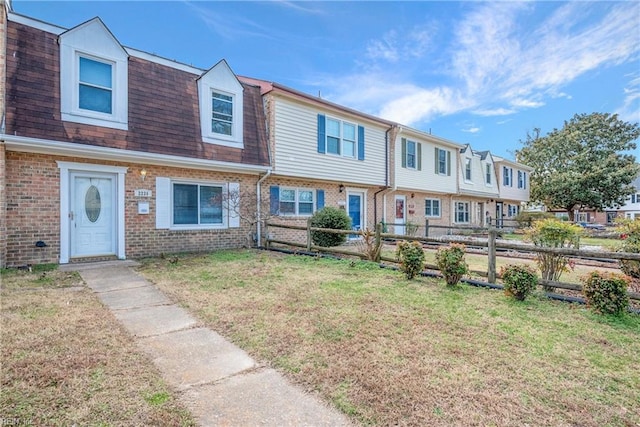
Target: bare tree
pixel 246 208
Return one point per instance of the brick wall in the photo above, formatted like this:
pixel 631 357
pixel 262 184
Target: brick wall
pixel 332 197
pixel 33 211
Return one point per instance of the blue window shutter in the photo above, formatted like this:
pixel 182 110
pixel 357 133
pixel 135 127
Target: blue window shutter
pixel 360 142
pixel 404 152
pixel 319 199
pixel 274 200
pixel 321 134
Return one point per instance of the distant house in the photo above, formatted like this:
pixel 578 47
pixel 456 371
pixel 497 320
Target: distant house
pixel 631 209
pixel 513 181
pixel 424 180
pixel 108 152
pixel 323 154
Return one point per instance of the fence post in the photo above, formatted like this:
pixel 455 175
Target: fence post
pixel 378 241
pixel 491 255
pixel 426 228
pixel 309 235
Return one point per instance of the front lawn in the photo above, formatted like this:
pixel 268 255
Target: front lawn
pixel 387 351
pixel 67 361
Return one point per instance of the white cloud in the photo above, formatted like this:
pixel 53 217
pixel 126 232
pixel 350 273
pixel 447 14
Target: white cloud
pixel 472 129
pixel 630 109
pixel 494 112
pixel 496 58
pixel 526 103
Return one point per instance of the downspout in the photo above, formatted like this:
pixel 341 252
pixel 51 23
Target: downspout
pixel 259 206
pixel 386 177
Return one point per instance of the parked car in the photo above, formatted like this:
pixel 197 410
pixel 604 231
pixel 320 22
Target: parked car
pixel 590 226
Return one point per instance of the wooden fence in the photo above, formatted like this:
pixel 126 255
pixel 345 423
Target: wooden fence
pixel 490 243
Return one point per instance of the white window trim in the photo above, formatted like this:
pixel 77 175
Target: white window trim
pixel 65 199
pixel 446 172
pixel 225 207
pixel 490 183
pixel 206 111
pixel 341 137
pixel 468 161
pixel 70 89
pixel 455 212
pixel 297 202
pixel 415 155
pixel 439 208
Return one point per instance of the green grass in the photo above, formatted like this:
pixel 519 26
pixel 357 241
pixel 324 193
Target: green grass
pixel 389 351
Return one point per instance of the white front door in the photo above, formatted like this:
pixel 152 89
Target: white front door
pixel 93 214
pixel 400 216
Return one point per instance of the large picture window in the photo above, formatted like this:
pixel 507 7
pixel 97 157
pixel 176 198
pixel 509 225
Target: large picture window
pixel 197 204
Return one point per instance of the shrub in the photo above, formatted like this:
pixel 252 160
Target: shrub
pixel 519 280
pixel 411 228
pixel 552 233
pixel 451 263
pixel 369 246
pixel 330 217
pixel 606 293
pixel 629 230
pixel 526 219
pixel 411 258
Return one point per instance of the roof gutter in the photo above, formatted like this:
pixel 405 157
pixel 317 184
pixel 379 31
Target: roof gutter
pixel 71 149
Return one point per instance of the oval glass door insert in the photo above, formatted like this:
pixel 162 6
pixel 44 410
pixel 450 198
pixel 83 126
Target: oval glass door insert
pixel 92 203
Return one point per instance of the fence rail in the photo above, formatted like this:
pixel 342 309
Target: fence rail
pixel 491 243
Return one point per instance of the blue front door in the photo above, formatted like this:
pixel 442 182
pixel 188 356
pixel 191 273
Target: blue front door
pixel 355 212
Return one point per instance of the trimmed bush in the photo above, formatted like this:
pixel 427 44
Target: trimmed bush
pixel 519 280
pixel 526 219
pixel 606 293
pixel 451 263
pixel 330 217
pixel 411 257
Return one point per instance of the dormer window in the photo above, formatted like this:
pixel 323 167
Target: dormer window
pixel 95 92
pixel 93 77
pixel 221 106
pixel 222 113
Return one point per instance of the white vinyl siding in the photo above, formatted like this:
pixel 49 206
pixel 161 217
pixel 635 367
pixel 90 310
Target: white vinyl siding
pixel 296 148
pixel 423 178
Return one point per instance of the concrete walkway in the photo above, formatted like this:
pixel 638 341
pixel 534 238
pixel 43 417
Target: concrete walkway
pixel 217 381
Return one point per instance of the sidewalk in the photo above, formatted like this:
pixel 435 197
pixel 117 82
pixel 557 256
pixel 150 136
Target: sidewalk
pixel 217 381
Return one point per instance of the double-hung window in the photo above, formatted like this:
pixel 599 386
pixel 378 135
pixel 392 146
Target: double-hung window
pixel 462 212
pixel 467 170
pixel 341 138
pixel 296 201
pixel 221 113
pixel 95 85
pixel 488 173
pixel 432 208
pixel 197 205
pixel 507 176
pixel 513 210
pixel 411 155
pixel 443 161
pixel 522 179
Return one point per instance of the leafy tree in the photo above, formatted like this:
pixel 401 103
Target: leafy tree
pixel 584 165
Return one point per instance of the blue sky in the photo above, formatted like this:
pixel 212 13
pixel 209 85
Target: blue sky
pixel 472 72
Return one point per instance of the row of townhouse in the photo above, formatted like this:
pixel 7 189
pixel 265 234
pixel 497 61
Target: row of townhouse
pixel 110 152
